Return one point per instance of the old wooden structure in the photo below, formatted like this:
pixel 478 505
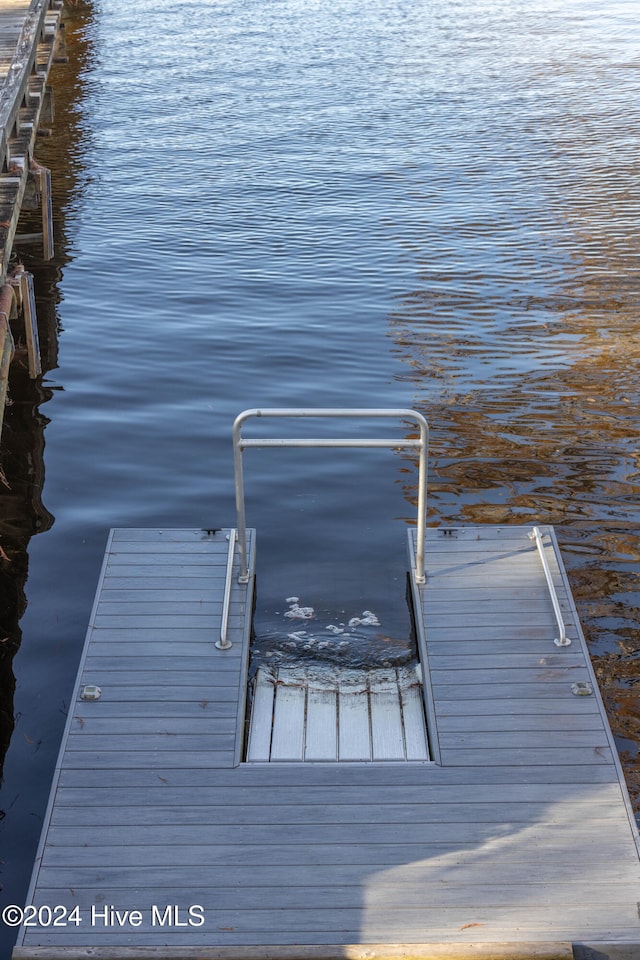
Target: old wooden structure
pixel 30 36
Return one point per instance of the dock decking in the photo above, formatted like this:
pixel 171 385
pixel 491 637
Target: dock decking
pixel 516 840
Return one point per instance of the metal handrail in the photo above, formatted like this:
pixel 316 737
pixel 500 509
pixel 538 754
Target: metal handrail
pixel 421 444
pixel 224 643
pixel 562 640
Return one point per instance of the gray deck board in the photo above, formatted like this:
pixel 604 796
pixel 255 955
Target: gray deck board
pixel 267 875
pixel 520 833
pixel 259 814
pixel 162 793
pixel 457 835
pixel 335 775
pixel 68 865
pixel 407 898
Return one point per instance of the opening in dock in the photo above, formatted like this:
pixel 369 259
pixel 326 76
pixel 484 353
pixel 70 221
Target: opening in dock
pixel 335 692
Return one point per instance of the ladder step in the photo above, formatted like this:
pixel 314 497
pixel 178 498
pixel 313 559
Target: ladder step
pixel 327 714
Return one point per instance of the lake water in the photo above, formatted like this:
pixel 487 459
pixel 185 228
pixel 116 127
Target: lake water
pixel 429 205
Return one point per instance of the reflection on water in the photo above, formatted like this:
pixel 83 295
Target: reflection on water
pixel 22 472
pixel 24 512
pixel 521 336
pixel 383 204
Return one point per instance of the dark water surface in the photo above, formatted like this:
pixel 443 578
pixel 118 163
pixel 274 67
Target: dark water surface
pixel 301 204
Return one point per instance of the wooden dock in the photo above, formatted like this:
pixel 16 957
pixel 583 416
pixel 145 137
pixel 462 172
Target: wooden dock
pixel 29 39
pixel 516 839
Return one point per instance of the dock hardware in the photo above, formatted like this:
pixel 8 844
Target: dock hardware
pixel 224 643
pixel 562 640
pixel 420 444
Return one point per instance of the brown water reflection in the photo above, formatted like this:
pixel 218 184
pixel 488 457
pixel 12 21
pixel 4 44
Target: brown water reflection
pixel 533 396
pixel 22 473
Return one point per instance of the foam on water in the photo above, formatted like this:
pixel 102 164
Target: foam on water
pixel 350 643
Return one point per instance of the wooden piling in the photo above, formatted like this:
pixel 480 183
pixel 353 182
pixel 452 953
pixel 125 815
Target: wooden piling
pixel 29 35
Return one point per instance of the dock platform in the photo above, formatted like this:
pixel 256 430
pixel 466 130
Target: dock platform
pixel 515 839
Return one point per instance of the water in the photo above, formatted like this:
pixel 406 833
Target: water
pixel 386 204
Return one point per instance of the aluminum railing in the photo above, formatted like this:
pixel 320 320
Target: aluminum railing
pixel 224 643
pixel 562 640
pixel 241 443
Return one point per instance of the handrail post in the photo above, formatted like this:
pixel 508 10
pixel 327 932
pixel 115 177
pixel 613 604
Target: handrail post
pixel 243 552
pixel 239 444
pixel 420 573
pixel 224 643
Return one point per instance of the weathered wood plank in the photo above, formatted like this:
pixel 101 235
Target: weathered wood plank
pixel 144 743
pixel 559 691
pixel 321 739
pixel 366 776
pixel 521 739
pixel 153 710
pixel 219 673
pixel 504 722
pixel 163 596
pixel 209 547
pixel 259 748
pixel 174 621
pixel 469 619
pixel 158 760
pixel 210 580
pixel 286 874
pixel 385 922
pixel 510 569
pixel 208 690
pixel 202 642
pixel 387 742
pixel 492 677
pixel 529 660
pixel 472 533
pixel 127 611
pixel 194 723
pixel 413 721
pixel 142 630
pixel 492 604
pixel 287 741
pixel 162 534
pixel 166 568
pixel 452 589
pixel 427 895
pixel 355 728
pixel 165 791
pixel 496 756
pixel 262 944
pixel 340 814
pixel 548 854
pixel 456 833
pixel 123 562
pixel 118 667
pixel 521 703
pixel 549 950
pixel 515 634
